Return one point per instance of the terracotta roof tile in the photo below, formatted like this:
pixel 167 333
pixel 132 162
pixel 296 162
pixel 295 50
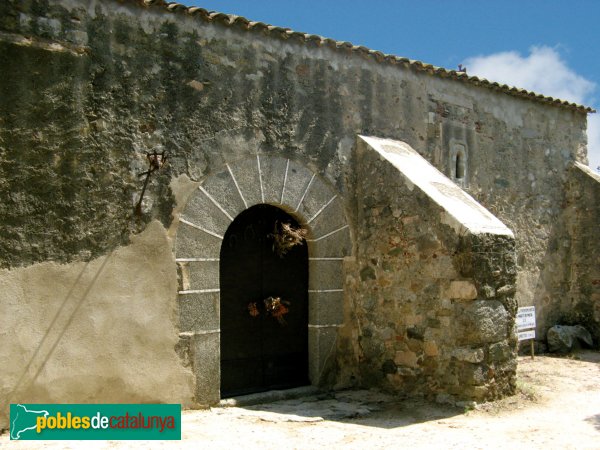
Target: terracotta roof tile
pixel 286 33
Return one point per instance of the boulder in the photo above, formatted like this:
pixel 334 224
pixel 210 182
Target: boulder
pixel 563 338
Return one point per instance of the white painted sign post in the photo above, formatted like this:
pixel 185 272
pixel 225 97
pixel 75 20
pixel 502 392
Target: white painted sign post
pixel 526 325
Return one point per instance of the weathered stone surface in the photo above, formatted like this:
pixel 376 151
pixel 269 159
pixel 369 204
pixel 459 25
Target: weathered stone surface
pixel 299 182
pixel 248 178
pixel 406 358
pixel 93 89
pixel 472 355
pixel 195 243
pixel 326 308
pixel 199 312
pixel 563 338
pixel 582 304
pixel 322 344
pixel 430 348
pixel 488 291
pixel 206 365
pixel 473 374
pixel 482 321
pixel 506 290
pixel 328 220
pixel 428 312
pixel 500 352
pixel 203 212
pixel 201 274
pixel 316 197
pixel 222 188
pixel 273 177
pixel 460 289
pixel 325 275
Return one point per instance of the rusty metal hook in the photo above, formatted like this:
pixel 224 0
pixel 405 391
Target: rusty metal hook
pixel 157 161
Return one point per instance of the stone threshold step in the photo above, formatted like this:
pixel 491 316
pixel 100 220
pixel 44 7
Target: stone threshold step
pixel 269 396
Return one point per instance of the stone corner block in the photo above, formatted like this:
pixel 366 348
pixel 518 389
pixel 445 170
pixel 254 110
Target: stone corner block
pixel 472 355
pixel 461 289
pixel 322 343
pixel 206 363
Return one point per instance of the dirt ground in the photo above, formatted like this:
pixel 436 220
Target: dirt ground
pixel 558 406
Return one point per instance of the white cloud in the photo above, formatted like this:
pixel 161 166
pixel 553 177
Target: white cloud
pixel 594 140
pixel 544 72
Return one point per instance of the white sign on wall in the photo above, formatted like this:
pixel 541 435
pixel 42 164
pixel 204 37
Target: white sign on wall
pixel 524 335
pixel 525 318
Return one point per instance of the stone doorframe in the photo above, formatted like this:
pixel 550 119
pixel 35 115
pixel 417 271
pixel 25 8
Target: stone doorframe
pixel 291 186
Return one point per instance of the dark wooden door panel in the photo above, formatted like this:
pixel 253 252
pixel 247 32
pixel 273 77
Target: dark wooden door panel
pixel 261 353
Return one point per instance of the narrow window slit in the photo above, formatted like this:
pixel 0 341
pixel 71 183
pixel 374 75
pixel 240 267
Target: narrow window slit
pixel 460 166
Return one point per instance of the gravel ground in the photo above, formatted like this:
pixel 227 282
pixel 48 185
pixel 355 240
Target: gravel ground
pixel 558 406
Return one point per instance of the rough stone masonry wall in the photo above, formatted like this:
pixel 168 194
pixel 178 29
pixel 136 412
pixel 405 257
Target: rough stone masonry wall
pixel 582 305
pixel 517 167
pixel 88 86
pixel 524 184
pixel 67 170
pixel 101 81
pixel 434 309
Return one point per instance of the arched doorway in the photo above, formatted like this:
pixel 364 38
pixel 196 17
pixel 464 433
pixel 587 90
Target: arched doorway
pixel 263 304
pixel 203 223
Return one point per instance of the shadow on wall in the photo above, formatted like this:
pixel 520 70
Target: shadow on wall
pixel 102 331
pixel 52 338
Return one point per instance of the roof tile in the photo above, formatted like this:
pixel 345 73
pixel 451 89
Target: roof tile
pixel 286 33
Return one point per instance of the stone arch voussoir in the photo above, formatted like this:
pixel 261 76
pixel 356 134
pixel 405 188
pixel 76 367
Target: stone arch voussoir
pixel 202 225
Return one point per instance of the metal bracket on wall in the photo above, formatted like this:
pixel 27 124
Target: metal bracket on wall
pixel 157 162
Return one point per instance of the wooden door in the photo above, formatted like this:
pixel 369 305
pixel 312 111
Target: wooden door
pixel 262 348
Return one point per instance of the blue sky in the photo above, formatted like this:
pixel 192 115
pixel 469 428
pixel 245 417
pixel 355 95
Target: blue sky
pixel 549 46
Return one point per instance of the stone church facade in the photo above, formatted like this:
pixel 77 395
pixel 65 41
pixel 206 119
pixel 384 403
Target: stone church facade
pixel 430 204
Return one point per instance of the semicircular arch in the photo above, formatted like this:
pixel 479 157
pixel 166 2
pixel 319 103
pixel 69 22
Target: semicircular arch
pixel 210 210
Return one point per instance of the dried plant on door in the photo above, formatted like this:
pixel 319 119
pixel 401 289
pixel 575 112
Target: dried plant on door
pixel 286 237
pixel 277 308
